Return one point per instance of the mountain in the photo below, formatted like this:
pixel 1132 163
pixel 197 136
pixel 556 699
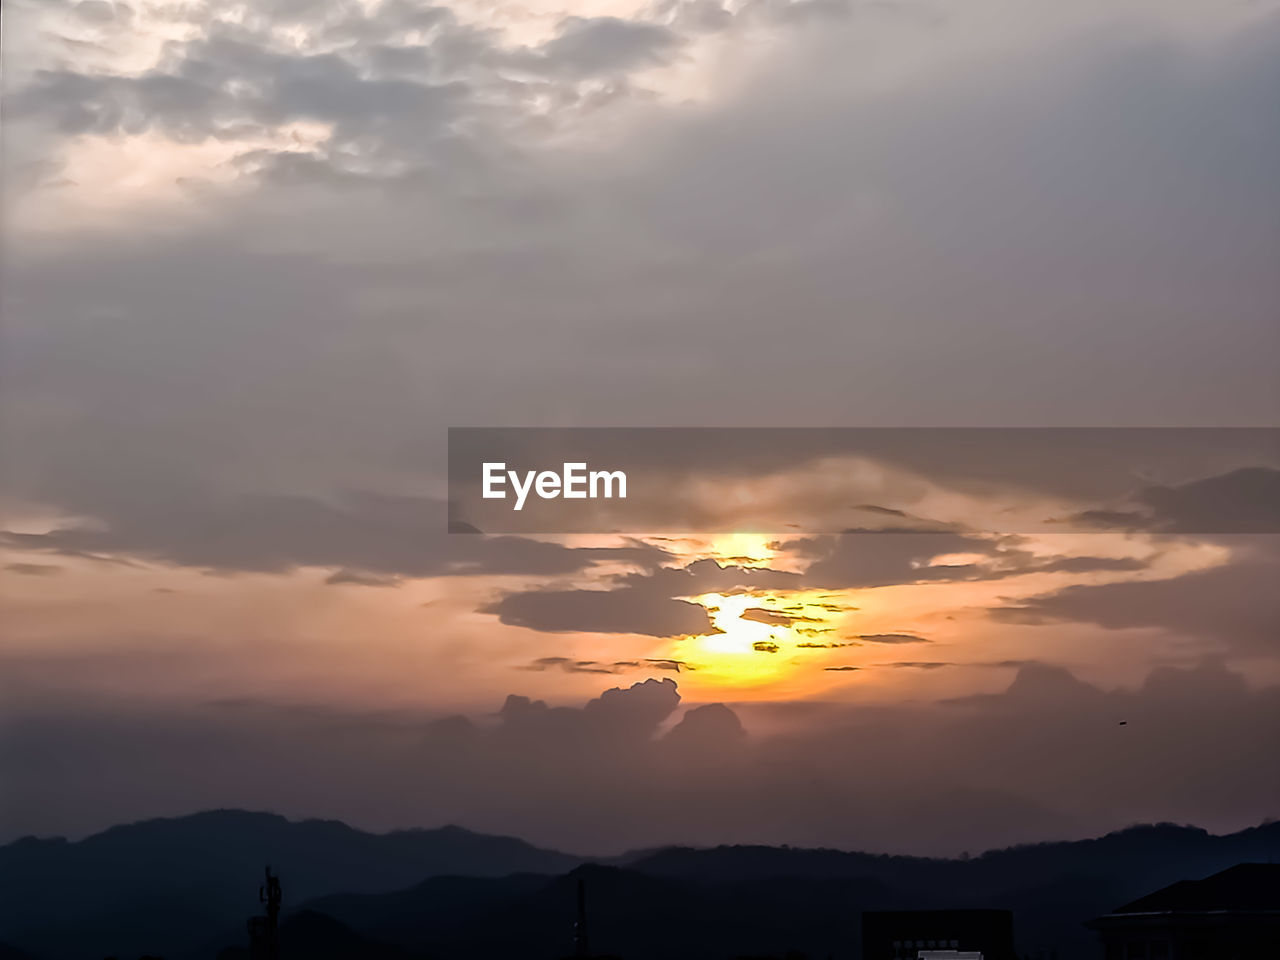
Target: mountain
pixel 308 935
pixel 182 888
pixel 631 915
pixel 1141 857
pixel 166 886
pixel 1052 887
pixel 724 902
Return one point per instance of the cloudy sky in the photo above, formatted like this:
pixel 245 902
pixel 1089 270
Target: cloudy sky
pixel 259 257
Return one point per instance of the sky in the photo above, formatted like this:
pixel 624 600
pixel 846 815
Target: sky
pixel 259 257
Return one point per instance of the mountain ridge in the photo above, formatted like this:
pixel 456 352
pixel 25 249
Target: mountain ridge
pixel 181 887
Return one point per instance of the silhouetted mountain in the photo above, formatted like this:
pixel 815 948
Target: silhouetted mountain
pixel 1052 887
pixel 758 901
pixel 308 935
pixel 182 888
pixel 168 886
pixel 1143 854
pixel 631 915
pixel 436 908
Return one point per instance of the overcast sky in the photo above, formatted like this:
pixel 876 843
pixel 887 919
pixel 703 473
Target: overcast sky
pixel 258 257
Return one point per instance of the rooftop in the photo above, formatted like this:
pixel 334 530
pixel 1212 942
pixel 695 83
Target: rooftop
pixel 1246 886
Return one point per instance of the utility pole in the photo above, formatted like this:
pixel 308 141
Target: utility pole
pixel 581 946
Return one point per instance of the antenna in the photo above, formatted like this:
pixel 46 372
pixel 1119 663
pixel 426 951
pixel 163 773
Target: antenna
pixel 581 946
pixel 264 931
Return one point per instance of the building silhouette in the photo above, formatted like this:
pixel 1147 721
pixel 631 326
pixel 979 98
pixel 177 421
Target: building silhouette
pixel 1232 915
pixel 937 935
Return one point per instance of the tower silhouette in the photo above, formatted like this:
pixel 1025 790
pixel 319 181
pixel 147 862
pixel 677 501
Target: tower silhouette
pixel 581 945
pixel 264 931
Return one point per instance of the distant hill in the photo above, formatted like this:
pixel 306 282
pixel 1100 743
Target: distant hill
pixel 169 886
pixel 631 914
pixel 1143 855
pixel 724 902
pixel 182 888
pixel 308 935
pixel 1051 887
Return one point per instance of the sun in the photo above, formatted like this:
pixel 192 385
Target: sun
pixel 762 639
pixel 738 636
pixel 759 642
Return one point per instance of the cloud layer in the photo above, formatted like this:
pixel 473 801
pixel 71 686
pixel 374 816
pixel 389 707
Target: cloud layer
pixel 1047 757
pixel 260 256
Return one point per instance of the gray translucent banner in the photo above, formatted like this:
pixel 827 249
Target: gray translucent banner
pixel 830 480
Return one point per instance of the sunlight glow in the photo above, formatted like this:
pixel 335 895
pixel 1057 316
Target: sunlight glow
pixel 749 651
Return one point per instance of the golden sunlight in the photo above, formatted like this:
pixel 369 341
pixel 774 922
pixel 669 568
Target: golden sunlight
pixel 763 639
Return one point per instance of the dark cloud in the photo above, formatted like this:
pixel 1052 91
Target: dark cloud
pixel 1127 160
pixel 1234 606
pixel 884 559
pixel 709 576
pixel 917 665
pixel 569 665
pixel 1088 565
pixel 587 46
pixel 877 559
pixel 1243 501
pixel 840 669
pixel 1042 758
pixel 645 603
pixel 1006 664
pixel 397 109
pixel 227 84
pixel 101 11
pixel 889 638
pixel 651 598
pixel 1240 502
pixel 367 535
pixel 885 511
pixel 618 716
pixel 635 711
pixel 803 11
pixel 707 729
pixel 34 569
pixel 669 473
pixel 702 16
pixel 360 579
pixel 602 611
pixel 773 617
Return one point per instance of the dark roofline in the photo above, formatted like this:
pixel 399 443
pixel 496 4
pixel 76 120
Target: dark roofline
pixel 1244 890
